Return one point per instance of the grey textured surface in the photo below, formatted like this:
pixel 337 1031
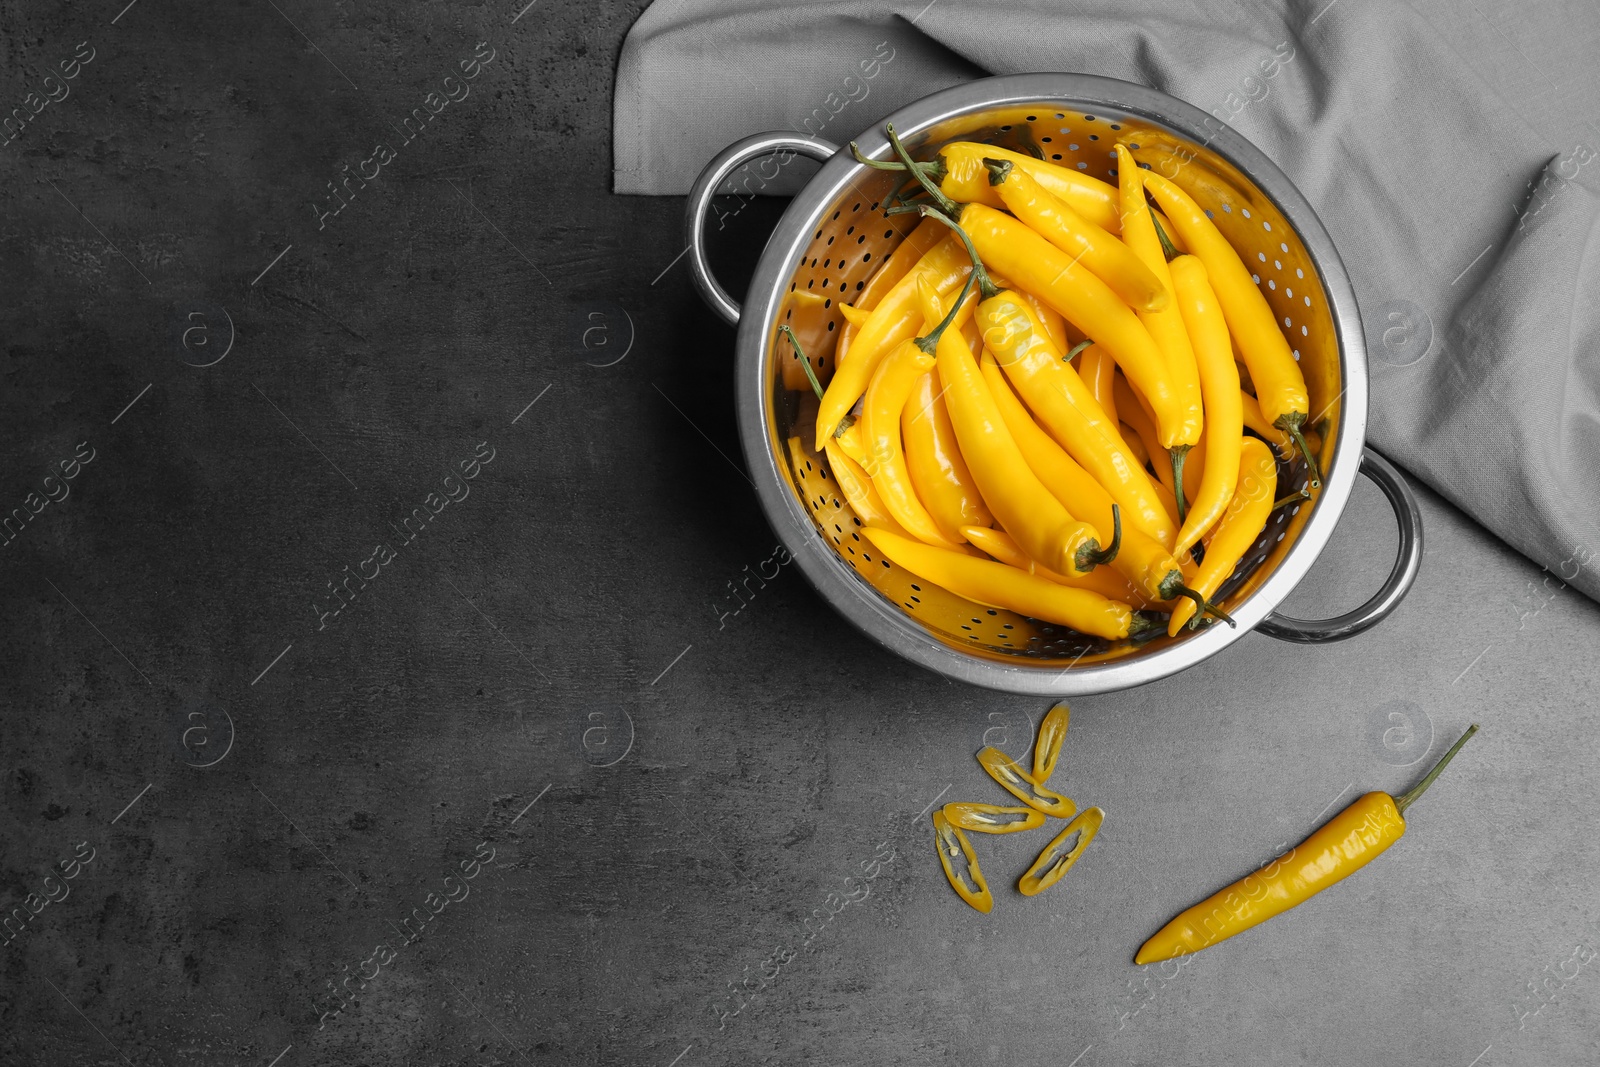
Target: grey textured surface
pixel 549 672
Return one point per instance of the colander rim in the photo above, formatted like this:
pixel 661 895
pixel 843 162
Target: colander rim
pixel 838 583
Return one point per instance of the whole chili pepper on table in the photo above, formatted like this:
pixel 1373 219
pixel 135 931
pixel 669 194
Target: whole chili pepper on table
pixel 1348 842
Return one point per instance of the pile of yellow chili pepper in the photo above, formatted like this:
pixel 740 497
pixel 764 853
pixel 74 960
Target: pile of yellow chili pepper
pixel 1035 402
pixel 1031 786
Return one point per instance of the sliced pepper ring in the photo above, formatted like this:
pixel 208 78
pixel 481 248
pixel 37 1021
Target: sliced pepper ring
pixel 992 818
pixel 1020 784
pixel 1047 747
pixel 1053 863
pixel 960 864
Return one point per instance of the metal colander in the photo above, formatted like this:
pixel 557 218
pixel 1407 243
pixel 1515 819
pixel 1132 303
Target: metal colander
pixel 835 235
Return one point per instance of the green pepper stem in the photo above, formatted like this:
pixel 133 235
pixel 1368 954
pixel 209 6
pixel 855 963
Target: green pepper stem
pixel 999 170
pixel 1297 495
pixel 1091 555
pixel 930 343
pixel 948 206
pixel 986 286
pixel 875 164
pixel 1072 353
pixel 1289 423
pixel 1409 797
pixel 1205 606
pixel 1142 630
pixel 1179 454
pixel 934 169
pixel 1168 249
pixel 800 354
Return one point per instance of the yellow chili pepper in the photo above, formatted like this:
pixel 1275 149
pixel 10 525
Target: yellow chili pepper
pixel 1136 415
pixel 960 864
pixel 897 317
pixel 1056 859
pixel 1241 523
pixel 1162 459
pixel 854 319
pixel 1103 580
pixel 992 818
pixel 1098 371
pixel 1087 302
pixel 1136 445
pixel 1045 529
pixel 1047 743
pixel 1280 387
pixel 1066 409
pixel 1106 257
pixel 1250 412
pixel 880 428
pixel 849 439
pixel 959 173
pixel 907 254
pixel 1219 383
pixel 1055 327
pixel 1142 561
pixel 996 585
pixel 938 473
pixel 859 491
pixel 1257 423
pixel 1166 325
pixel 1348 842
pixel 1020 784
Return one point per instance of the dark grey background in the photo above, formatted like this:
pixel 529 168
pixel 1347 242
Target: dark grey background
pixel 553 670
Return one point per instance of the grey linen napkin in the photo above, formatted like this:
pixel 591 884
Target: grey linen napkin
pixel 1450 147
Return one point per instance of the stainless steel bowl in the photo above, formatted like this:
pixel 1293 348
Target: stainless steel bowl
pixel 835 234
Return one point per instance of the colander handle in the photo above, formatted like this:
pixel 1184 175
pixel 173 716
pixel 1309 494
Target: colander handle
pixel 1408 516
pixel 731 159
